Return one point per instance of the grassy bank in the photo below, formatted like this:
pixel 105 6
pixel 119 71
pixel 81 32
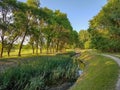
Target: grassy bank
pixel 101 73
pixel 39 72
pixel 116 54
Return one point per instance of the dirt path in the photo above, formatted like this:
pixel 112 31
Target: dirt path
pixel 118 61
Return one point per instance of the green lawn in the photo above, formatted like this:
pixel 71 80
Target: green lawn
pixel 28 52
pixel 101 73
pixel 24 53
pixel 116 54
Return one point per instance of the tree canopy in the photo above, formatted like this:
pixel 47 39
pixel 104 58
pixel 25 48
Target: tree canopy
pixel 44 27
pixel 105 27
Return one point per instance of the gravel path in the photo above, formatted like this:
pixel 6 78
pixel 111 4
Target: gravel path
pixel 118 61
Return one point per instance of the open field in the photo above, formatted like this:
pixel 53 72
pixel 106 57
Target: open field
pixel 28 52
pixel 24 53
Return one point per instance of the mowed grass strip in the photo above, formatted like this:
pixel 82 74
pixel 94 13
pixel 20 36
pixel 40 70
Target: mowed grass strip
pixel 101 73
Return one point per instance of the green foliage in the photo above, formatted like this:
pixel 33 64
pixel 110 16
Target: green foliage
pixel 87 45
pixel 84 38
pixel 46 28
pixel 7 6
pixel 33 3
pixel 61 19
pixel 26 46
pixel 74 39
pixel 39 72
pixel 105 27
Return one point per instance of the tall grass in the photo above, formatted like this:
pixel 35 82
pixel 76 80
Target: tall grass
pixel 39 73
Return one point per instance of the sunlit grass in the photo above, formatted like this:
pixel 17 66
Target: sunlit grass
pixel 29 52
pixel 116 54
pixel 24 52
pixel 101 73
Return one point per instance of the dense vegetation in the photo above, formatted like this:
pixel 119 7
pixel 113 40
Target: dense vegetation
pixel 40 27
pixel 84 39
pixel 51 30
pixel 105 28
pixel 38 73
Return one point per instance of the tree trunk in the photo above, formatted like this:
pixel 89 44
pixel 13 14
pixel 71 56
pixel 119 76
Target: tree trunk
pixel 41 49
pixel 11 45
pixel 37 48
pixel 33 48
pixel 9 49
pixel 50 49
pixel 53 50
pixel 19 53
pixel 53 47
pixel 57 46
pixel 47 47
pixel 2 46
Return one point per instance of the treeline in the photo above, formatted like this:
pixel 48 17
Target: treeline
pixel 43 27
pixel 104 29
pixel 84 39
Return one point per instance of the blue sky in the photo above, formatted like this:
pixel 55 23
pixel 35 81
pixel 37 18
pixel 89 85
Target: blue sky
pixel 79 11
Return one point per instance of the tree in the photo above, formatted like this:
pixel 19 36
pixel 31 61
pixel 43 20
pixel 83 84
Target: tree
pixel 74 39
pixel 84 36
pixel 37 25
pixel 24 17
pixel 46 28
pixel 7 7
pixel 13 35
pixel 105 27
pixel 63 29
pixel 30 12
pixel 33 3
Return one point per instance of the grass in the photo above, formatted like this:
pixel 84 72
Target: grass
pixel 24 53
pixel 116 54
pixel 39 72
pixel 101 73
pixel 27 52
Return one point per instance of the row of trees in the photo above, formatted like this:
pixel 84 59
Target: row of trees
pixel 104 28
pixel 43 27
